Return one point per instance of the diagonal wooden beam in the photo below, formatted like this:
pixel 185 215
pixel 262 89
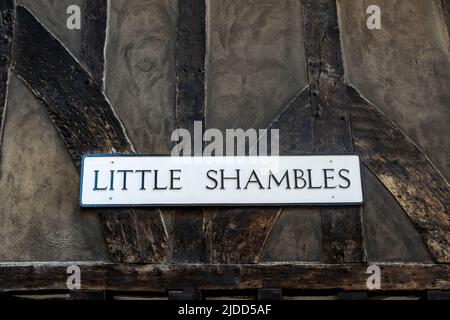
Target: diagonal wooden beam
pixel 6 35
pixel 341 226
pixel 87 123
pixel 405 171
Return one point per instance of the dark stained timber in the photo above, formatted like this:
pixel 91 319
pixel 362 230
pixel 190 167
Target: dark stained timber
pixel 406 172
pixel 94 36
pixel 6 34
pixel 87 123
pixel 17 277
pixel 190 62
pixel 238 235
pixel 446 7
pixel 342 227
pixel 186 236
pixel 135 235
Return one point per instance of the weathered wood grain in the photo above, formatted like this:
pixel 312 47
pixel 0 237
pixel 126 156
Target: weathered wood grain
pixel 406 172
pixel 135 235
pixel 78 108
pixel 238 235
pixel 342 227
pixel 6 34
pixel 94 35
pixel 186 224
pixel 186 236
pixel 190 62
pixel 87 124
pixel 162 278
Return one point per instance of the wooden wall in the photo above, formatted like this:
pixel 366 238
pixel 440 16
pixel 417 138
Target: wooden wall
pixel 258 61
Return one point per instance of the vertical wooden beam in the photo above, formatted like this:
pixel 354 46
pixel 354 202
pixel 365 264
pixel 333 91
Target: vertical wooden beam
pixel 186 231
pixel 6 34
pixel 94 38
pixel 190 62
pixel 342 227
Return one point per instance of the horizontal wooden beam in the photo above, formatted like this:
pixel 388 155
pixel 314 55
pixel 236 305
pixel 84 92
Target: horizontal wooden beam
pixel 17 277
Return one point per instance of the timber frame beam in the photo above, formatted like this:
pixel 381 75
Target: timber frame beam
pixel 45 276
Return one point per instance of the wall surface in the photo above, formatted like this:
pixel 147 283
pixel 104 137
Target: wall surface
pixel 40 219
pixel 255 66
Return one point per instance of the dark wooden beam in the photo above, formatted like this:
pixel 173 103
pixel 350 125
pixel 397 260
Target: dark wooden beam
pixel 446 8
pixel 94 36
pixel 407 173
pixel 6 35
pixel 186 224
pixel 34 276
pixel 190 62
pixel 87 123
pixel 342 226
pixel 238 235
pixel 77 106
